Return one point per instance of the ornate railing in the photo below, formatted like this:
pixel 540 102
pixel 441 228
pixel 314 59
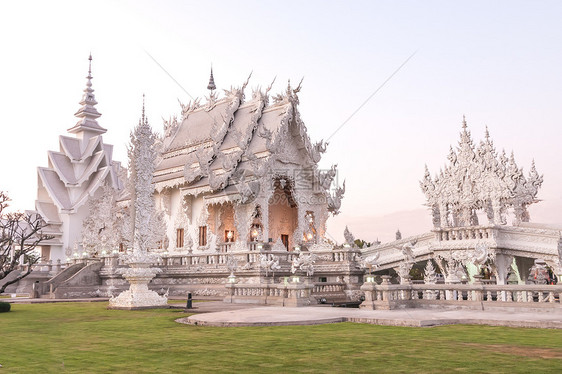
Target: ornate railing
pixel 221 258
pixel 328 288
pixel 285 294
pixel 464 233
pixel 48 267
pixel 389 296
pixel 337 255
pixel 225 247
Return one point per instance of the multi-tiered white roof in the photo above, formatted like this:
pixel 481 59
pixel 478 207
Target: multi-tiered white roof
pixel 217 142
pixel 82 164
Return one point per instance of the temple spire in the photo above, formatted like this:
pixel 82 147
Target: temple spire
pixel 143 117
pixel 211 86
pixel 88 114
pixel 463 122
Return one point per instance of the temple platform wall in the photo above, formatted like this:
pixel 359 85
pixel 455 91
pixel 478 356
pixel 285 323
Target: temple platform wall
pixel 337 276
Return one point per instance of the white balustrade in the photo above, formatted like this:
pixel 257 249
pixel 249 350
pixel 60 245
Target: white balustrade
pixel 464 233
pixel 463 294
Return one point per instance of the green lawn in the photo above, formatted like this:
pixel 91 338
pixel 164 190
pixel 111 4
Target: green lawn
pixel 87 338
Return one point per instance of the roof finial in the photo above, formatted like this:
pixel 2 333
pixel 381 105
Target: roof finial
pixel 90 65
pixel 463 122
pixel 487 134
pixel 211 86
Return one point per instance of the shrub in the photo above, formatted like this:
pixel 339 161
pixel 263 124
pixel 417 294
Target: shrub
pixel 5 307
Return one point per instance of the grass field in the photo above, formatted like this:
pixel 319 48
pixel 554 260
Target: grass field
pixel 87 338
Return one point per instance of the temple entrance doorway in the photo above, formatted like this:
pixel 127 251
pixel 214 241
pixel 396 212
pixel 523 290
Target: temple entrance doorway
pixel 221 223
pixel 283 214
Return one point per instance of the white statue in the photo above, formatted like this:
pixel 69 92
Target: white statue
pixel 349 238
pixel 304 262
pixel 269 262
pixel 370 262
pixel 407 251
pixel 480 255
pixel 408 262
pixel 231 264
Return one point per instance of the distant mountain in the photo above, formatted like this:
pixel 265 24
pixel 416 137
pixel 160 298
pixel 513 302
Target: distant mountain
pixel 369 228
pixel 418 221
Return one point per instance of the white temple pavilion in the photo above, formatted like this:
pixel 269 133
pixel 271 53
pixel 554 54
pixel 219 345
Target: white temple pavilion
pixel 478 204
pixel 74 174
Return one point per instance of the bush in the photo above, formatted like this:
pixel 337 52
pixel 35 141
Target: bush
pixel 5 307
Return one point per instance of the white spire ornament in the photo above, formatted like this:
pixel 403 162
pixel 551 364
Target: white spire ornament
pixel 87 115
pixel 143 155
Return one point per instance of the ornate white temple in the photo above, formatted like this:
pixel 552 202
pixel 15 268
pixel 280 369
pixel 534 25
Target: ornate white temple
pixel 234 173
pixel 237 208
pixel 237 189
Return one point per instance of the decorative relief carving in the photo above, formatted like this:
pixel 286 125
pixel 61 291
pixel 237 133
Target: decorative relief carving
pixel 190 107
pixel 209 292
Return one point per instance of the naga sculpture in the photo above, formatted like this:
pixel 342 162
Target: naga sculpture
pixel 349 238
pixel 334 202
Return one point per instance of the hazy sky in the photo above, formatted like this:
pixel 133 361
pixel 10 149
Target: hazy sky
pixel 499 63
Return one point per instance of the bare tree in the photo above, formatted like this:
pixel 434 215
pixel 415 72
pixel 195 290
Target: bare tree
pixel 20 234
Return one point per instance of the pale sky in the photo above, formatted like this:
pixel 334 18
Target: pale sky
pixel 498 63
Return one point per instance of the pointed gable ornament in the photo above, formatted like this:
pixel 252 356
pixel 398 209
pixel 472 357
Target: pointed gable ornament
pixel 211 86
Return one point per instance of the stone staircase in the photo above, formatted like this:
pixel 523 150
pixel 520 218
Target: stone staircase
pixel 47 289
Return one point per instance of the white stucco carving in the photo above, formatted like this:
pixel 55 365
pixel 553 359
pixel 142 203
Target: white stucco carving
pixel 476 179
pixel 146 227
pixel 429 273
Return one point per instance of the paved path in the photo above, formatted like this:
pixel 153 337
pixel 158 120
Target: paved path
pixel 212 306
pixel 217 313
pixel 280 316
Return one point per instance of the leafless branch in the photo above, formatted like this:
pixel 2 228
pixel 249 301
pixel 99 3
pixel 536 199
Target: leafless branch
pixel 20 234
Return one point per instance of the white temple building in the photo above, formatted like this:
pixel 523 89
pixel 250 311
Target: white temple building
pixel 234 173
pixel 239 212
pixel 73 175
pixel 237 189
